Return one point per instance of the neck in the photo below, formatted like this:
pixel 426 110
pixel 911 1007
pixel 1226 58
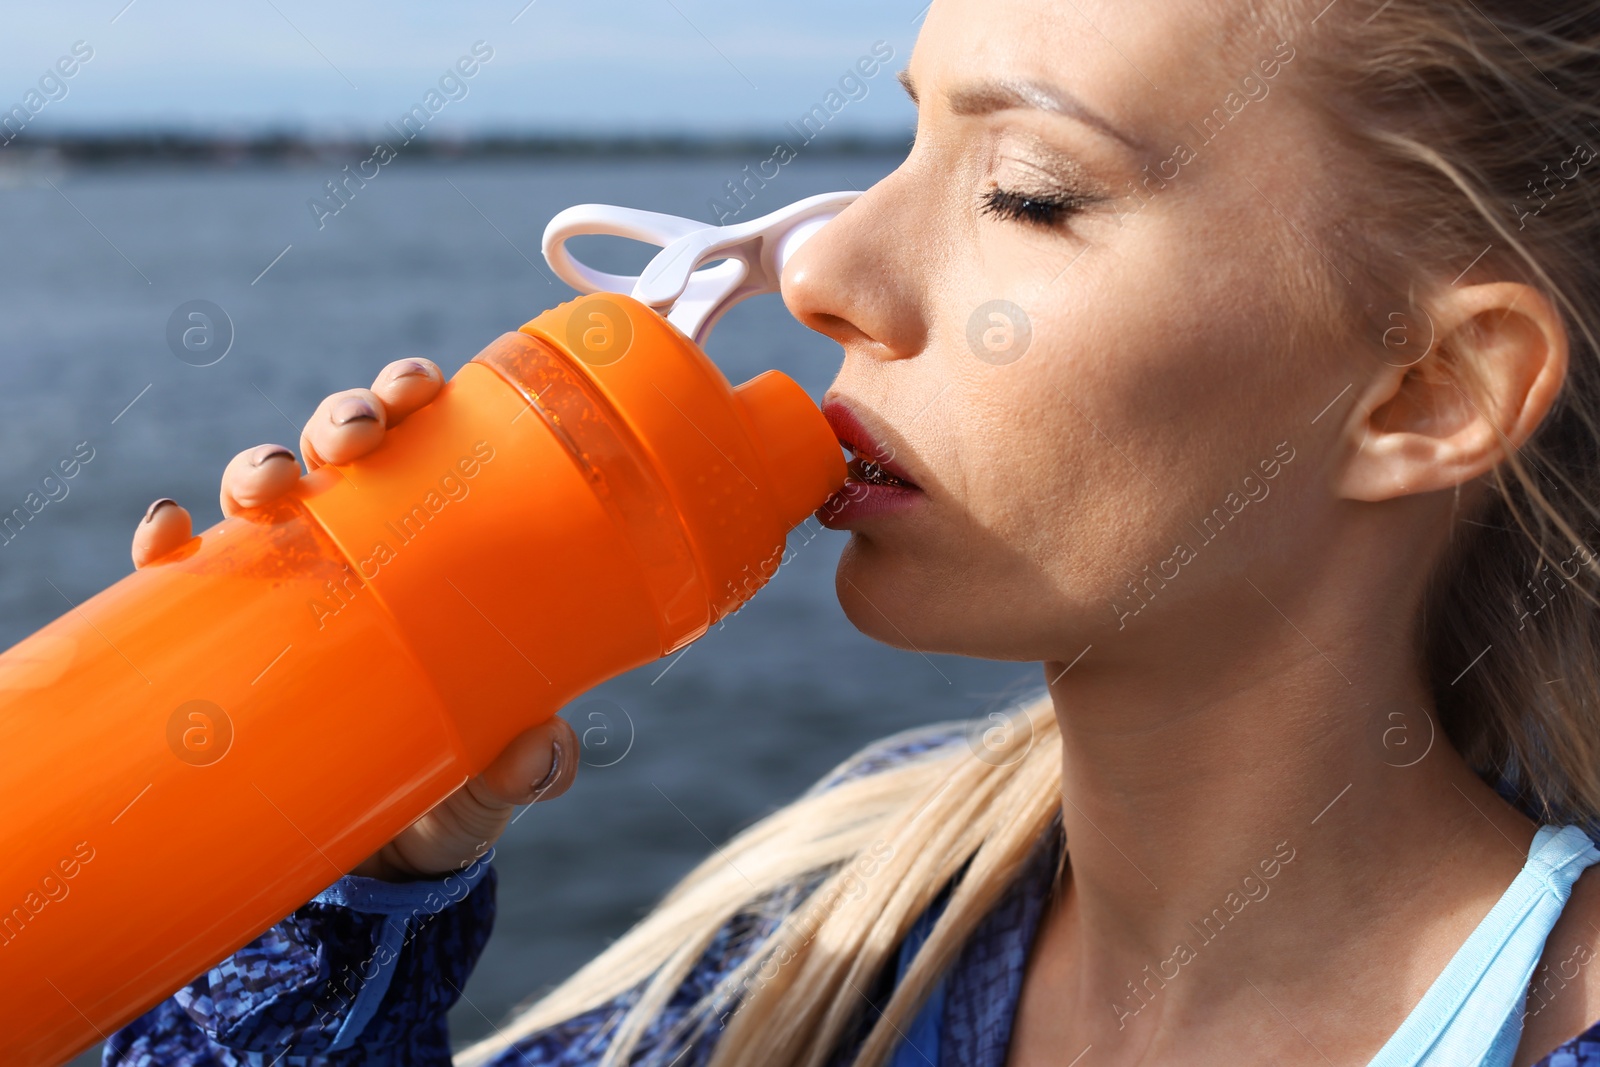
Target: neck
pixel 1257 801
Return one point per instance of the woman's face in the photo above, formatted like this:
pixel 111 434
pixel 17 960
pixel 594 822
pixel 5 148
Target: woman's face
pixel 1088 318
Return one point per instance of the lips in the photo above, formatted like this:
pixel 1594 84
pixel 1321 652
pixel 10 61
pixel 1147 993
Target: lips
pixel 872 459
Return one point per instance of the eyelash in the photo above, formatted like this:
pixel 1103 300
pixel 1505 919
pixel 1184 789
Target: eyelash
pixel 1032 208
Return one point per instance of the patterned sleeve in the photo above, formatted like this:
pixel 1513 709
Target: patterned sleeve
pixel 1580 1051
pixel 907 746
pixel 360 976
pixel 683 1034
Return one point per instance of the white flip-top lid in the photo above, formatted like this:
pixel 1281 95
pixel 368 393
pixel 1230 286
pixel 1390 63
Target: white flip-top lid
pixel 677 282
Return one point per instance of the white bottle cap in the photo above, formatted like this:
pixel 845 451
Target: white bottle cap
pixel 692 296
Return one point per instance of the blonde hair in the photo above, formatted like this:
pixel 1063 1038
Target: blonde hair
pixel 882 841
pixel 1451 109
pixel 1466 117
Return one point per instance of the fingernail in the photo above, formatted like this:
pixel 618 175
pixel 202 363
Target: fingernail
pixel 352 409
pixel 412 368
pixel 266 452
pixel 550 775
pixel 150 513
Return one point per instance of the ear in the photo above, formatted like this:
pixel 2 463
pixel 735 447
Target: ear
pixel 1496 365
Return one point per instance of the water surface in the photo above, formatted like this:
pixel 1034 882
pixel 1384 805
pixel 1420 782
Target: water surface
pixel 430 259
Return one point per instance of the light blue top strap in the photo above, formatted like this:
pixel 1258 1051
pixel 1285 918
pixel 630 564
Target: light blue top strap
pixel 1472 1014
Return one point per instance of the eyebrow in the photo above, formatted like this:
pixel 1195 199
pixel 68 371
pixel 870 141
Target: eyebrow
pixel 985 97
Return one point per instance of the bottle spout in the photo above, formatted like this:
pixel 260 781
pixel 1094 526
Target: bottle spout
pixel 802 453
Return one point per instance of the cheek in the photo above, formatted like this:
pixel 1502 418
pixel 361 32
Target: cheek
pixel 1031 469
pixel 1143 399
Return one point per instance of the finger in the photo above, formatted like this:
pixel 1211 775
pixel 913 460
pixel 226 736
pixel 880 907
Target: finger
pixel 257 476
pixel 344 426
pixel 539 764
pixel 165 526
pixel 406 385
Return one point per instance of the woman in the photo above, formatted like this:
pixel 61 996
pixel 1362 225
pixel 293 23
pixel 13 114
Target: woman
pixel 1237 360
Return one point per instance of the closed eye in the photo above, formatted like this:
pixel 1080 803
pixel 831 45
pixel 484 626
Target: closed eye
pixel 1037 209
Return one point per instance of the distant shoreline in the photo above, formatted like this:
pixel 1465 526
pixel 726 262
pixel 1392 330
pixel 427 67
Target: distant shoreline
pixel 103 149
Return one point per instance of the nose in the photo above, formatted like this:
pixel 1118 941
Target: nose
pixel 858 280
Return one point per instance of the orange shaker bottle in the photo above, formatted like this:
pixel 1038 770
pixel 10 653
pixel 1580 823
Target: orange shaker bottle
pixel 196 751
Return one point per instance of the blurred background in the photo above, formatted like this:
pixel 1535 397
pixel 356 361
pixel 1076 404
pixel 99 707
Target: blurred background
pixel 187 157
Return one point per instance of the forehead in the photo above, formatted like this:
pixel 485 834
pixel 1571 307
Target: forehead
pixel 1142 64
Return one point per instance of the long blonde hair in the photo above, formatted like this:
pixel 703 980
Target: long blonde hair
pixel 1466 118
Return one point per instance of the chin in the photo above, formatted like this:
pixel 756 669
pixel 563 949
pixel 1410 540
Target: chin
pixel 883 598
pixel 947 609
pixel 902 603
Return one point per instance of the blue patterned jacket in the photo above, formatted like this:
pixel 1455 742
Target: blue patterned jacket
pixel 363 975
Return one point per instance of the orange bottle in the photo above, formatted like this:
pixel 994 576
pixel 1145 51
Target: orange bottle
pixel 199 749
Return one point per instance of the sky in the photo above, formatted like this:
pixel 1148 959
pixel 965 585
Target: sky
pixel 562 66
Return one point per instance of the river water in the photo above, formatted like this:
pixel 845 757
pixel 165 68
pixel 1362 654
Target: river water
pixel 430 259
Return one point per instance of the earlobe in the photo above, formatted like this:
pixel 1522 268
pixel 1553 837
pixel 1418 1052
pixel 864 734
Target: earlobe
pixel 1495 370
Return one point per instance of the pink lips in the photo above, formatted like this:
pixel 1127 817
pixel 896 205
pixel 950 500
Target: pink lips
pixel 868 493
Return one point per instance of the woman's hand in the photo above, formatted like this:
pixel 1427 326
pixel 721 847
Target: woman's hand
pixel 536 765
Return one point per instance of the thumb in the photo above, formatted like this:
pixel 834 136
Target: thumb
pixel 538 764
